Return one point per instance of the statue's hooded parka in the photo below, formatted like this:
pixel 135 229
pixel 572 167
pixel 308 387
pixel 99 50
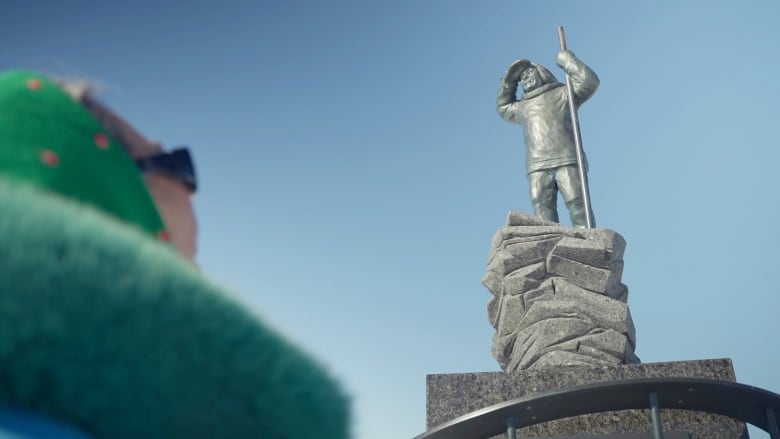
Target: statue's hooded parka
pixel 544 112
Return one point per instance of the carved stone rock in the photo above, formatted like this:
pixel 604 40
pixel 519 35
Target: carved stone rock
pixel 557 296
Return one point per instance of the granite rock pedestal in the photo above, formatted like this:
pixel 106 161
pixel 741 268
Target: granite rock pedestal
pixel 452 395
pixel 562 320
pixel 558 299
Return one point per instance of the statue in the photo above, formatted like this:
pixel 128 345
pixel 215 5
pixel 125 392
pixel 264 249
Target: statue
pixel 551 132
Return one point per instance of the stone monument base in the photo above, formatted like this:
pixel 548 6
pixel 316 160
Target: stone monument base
pixel 452 395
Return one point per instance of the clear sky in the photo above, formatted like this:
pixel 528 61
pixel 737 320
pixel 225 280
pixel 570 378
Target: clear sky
pixel 353 168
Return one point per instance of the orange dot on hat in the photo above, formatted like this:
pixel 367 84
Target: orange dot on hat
pixel 34 84
pixel 164 236
pixel 50 158
pixel 101 140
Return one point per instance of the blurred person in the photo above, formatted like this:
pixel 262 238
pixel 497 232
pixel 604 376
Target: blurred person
pixel 106 331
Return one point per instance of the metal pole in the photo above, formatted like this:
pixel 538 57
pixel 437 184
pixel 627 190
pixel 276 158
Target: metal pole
pixel 771 421
pixel 511 430
pixel 655 417
pixel 577 140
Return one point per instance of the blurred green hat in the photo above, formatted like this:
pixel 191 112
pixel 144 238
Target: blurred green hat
pixel 49 140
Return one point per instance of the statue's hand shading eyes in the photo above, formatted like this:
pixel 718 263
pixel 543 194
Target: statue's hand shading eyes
pixel 514 72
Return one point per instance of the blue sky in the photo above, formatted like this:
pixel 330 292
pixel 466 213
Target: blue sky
pixel 353 167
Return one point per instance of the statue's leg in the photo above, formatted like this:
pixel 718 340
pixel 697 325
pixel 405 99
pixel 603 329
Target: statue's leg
pixel 568 178
pixel 544 193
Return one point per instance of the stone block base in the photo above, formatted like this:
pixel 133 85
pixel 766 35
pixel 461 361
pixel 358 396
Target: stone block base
pixel 452 395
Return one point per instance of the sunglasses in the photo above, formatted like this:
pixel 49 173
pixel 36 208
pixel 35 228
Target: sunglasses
pixel 177 164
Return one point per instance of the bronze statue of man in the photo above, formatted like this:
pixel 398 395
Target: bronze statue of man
pixel 550 155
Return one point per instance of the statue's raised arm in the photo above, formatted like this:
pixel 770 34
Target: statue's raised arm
pixel 584 80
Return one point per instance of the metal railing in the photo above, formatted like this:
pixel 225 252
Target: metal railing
pixel 748 404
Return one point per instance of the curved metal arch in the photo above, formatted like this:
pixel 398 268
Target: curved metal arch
pixel 748 404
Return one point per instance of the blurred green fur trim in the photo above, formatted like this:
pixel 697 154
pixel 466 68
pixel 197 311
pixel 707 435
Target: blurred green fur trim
pixel 108 330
